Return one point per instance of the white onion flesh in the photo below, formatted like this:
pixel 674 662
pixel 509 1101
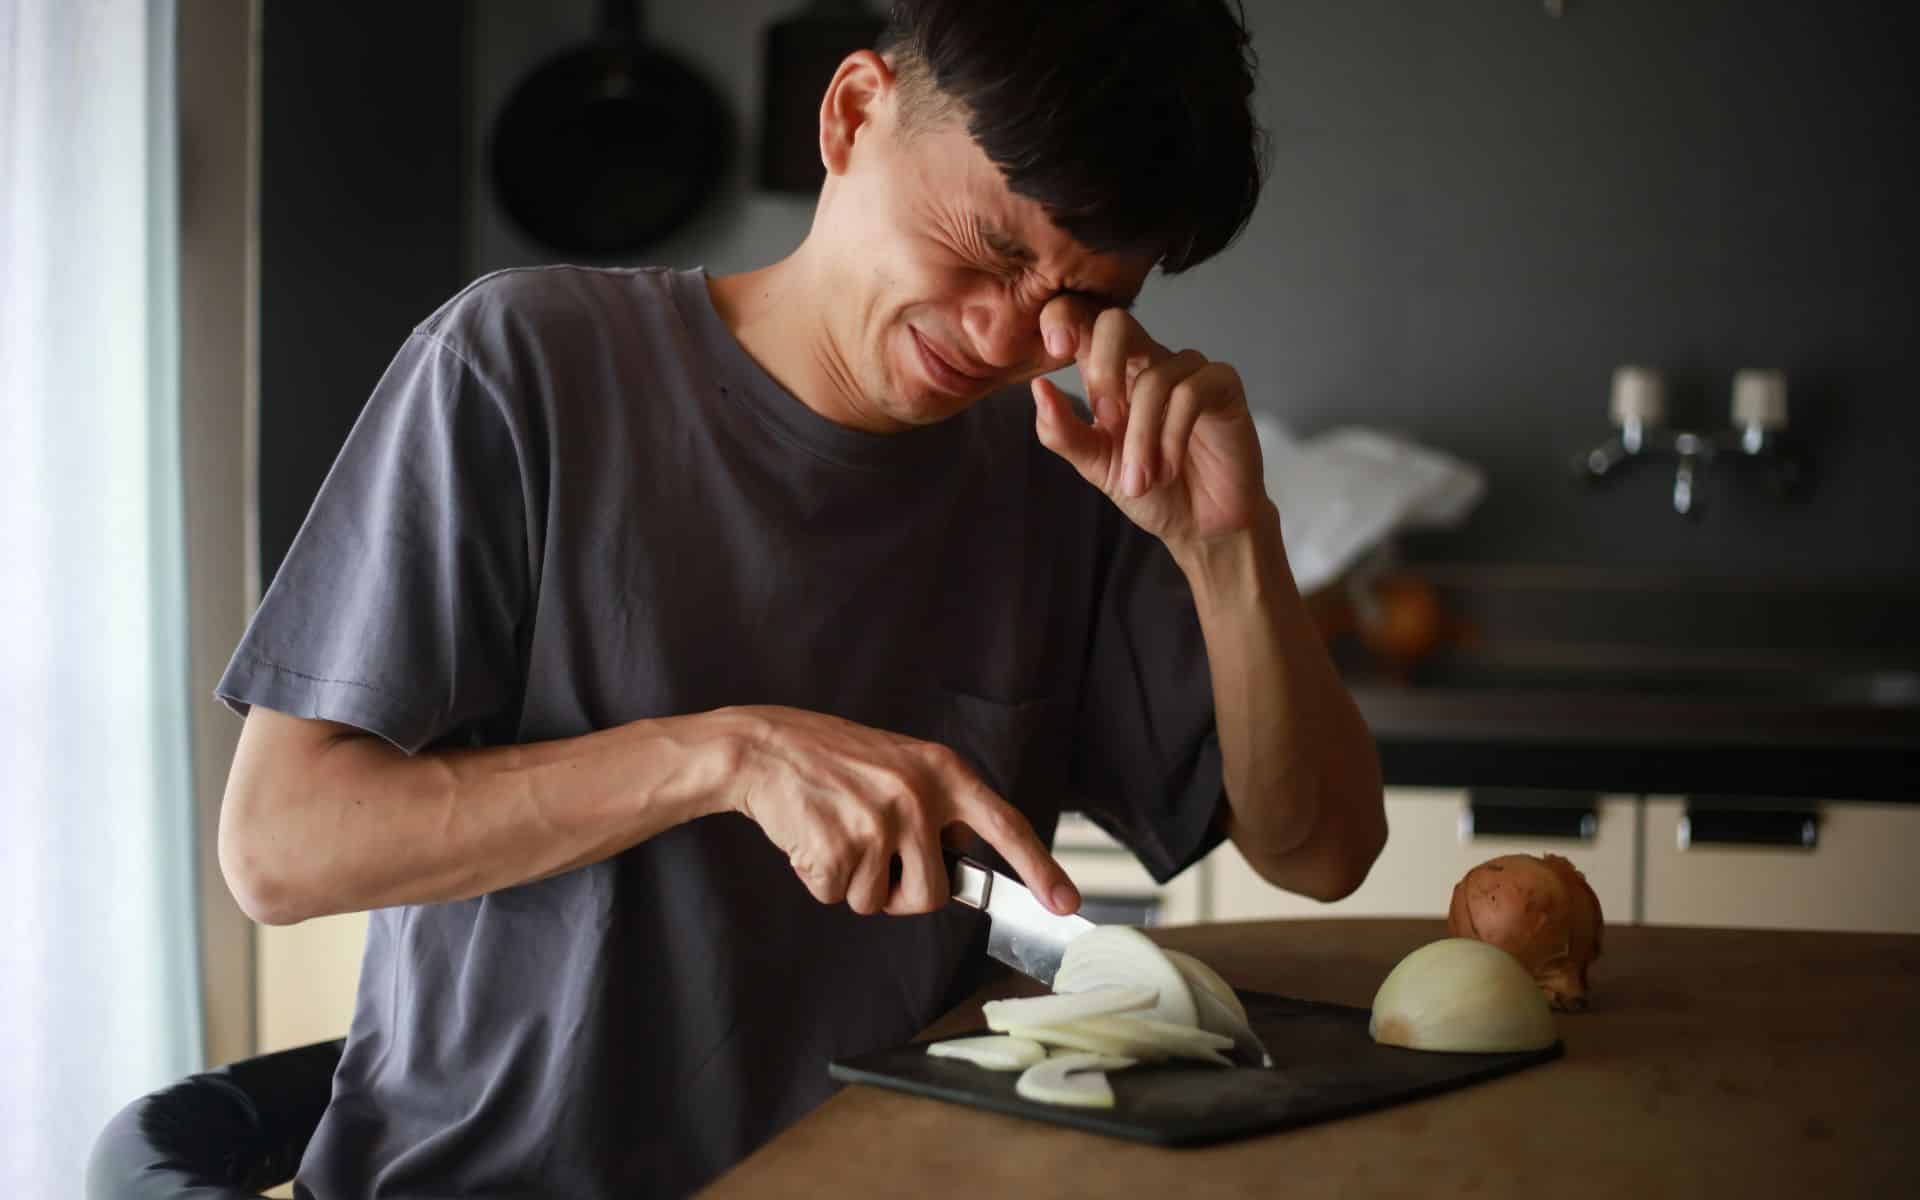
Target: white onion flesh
pixel 1461 995
pixel 1121 956
pixel 995 1052
pixel 1072 1037
pixel 1058 1009
pixel 1078 1080
pixel 1218 1006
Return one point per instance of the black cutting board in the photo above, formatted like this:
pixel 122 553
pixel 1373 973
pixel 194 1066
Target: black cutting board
pixel 1325 1066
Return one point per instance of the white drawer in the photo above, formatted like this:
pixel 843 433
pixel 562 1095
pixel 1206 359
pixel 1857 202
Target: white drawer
pixel 1428 851
pixel 1859 876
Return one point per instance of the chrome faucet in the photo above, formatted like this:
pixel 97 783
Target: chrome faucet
pixel 1638 409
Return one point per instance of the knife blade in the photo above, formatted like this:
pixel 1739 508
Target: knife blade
pixel 1022 932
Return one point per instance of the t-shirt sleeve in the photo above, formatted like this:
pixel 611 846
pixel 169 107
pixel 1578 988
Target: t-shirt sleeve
pixel 398 607
pixel 1147 762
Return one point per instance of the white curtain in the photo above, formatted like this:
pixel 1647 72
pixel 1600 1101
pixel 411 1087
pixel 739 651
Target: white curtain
pixel 99 992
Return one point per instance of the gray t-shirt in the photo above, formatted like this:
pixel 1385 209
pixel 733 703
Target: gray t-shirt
pixel 575 501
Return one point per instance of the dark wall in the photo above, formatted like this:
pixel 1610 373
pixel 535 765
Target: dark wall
pixel 362 220
pixel 1478 211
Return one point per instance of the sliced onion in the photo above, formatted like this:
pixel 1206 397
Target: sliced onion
pixel 1075 1038
pixel 1218 1006
pixel 1073 1079
pixel 1121 956
pixel 1056 1009
pixel 994 1052
pixel 1208 986
pixel 1131 1037
pixel 1149 1040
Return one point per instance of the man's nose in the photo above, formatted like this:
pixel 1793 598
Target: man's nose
pixel 1003 332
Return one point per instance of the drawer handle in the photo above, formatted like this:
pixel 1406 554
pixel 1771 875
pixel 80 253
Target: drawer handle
pixel 1570 822
pixel 1793 829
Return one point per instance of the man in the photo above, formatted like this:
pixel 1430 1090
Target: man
pixel 642 611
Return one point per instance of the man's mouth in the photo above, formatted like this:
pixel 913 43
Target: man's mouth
pixel 943 371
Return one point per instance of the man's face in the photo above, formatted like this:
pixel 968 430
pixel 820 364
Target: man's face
pixel 941 272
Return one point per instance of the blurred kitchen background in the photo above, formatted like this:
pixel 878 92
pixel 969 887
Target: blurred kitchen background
pixel 1478 213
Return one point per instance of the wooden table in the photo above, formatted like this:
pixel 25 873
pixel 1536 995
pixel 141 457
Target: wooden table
pixel 1713 1063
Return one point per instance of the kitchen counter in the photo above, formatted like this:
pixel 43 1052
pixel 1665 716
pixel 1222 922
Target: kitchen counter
pixel 1639 682
pixel 1714 1062
pixel 1628 742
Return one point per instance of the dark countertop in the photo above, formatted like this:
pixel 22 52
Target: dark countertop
pixel 1651 684
pixel 1622 742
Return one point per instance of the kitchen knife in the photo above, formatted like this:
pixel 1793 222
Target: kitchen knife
pixel 1022 932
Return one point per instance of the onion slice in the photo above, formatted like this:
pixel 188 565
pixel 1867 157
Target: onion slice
pixel 1058 1009
pixel 995 1052
pixel 1219 1008
pixel 1121 956
pixel 1072 1079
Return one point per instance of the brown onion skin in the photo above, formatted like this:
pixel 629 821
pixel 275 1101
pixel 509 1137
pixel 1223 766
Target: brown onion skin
pixel 1542 911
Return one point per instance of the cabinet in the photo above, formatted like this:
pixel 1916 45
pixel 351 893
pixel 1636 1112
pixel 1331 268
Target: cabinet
pixel 306 976
pixel 1858 875
pixel 1114 886
pixel 1429 848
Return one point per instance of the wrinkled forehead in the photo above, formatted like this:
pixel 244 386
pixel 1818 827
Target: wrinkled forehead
pixel 965 191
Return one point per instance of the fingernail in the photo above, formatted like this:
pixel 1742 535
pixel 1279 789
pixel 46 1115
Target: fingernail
pixel 1065 899
pixel 1056 341
pixel 1130 480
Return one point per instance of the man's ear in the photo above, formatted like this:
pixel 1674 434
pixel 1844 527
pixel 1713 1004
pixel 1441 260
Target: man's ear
pixel 859 88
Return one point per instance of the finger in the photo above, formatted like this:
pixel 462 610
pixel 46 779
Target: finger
pixel 1065 321
pixel 1142 466
pixel 1102 358
pixel 1008 832
pixel 1061 430
pixel 1210 389
pixel 823 874
pixel 867 893
pixel 1110 360
pixel 923 885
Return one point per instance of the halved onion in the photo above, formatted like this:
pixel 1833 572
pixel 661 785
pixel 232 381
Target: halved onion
pixel 995 1052
pixel 1073 1079
pixel 1461 995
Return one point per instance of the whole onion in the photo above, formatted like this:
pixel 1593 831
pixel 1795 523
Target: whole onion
pixel 1538 909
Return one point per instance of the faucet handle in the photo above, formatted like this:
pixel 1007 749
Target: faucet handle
pixel 1760 400
pixel 1639 397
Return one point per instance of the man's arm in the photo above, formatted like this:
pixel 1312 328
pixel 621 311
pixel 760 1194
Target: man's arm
pixel 324 818
pixel 1302 775
pixel 1173 445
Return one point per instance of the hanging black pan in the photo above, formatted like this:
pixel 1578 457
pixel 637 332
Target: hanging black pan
pixel 606 149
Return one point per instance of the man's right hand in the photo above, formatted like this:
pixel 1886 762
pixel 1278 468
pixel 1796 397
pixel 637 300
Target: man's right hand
pixel 843 801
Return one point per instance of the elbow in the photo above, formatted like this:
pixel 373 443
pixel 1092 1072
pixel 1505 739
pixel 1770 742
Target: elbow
pixel 1334 863
pixel 255 869
pixel 1352 866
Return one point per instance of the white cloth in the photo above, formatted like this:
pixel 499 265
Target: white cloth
pixel 1346 491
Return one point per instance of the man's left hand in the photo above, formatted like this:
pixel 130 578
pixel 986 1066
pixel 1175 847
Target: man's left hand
pixel 1171 442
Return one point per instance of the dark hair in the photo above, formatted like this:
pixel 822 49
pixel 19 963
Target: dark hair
pixel 1128 121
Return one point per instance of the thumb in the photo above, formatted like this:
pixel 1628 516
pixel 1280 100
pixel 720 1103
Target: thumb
pixel 1061 430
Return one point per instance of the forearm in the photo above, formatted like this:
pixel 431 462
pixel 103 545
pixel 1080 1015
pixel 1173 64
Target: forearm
pixel 1302 774
pixel 323 819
